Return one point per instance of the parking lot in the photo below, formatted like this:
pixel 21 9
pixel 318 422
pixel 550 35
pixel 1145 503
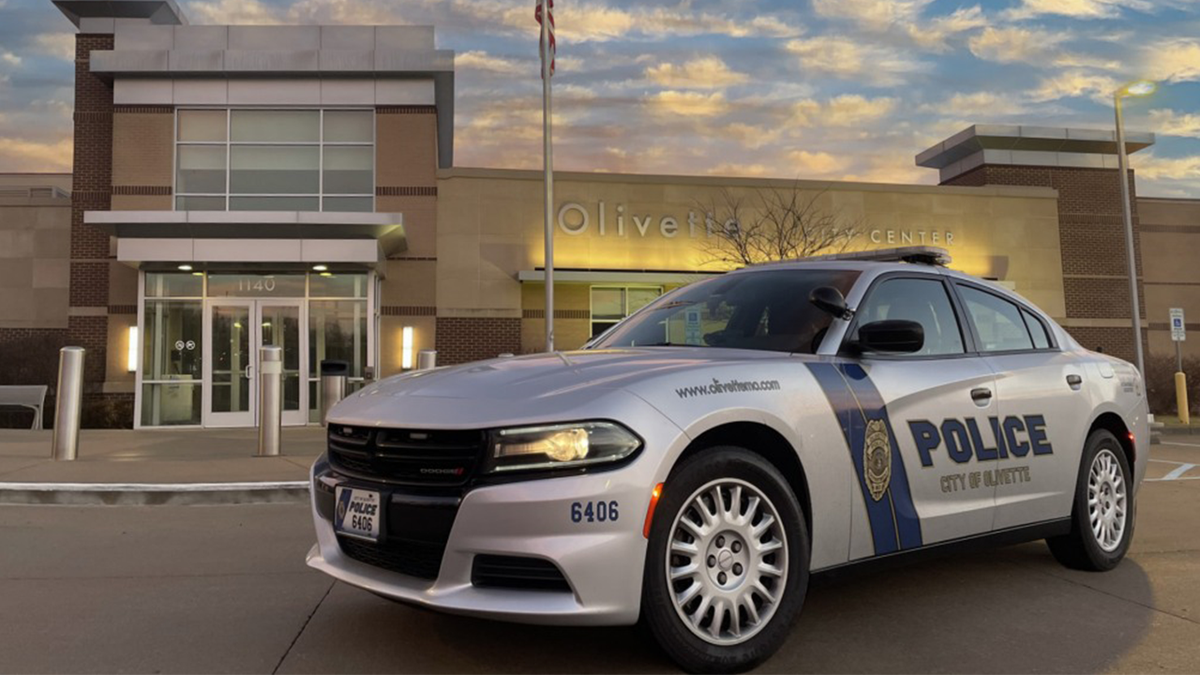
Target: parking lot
pixel 225 589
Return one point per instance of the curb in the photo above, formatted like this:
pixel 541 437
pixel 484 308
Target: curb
pixel 154 494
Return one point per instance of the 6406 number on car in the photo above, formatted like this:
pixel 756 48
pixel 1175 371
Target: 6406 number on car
pixel 594 512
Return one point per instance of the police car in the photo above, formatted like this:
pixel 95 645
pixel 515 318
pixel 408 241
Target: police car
pixel 698 463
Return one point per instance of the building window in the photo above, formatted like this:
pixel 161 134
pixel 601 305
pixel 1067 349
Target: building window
pixel 172 350
pixel 610 304
pixel 275 160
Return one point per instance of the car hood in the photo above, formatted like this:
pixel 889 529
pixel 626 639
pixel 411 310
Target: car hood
pixel 539 376
pixel 539 387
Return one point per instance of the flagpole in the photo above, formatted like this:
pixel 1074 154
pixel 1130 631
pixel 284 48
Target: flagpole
pixel 548 154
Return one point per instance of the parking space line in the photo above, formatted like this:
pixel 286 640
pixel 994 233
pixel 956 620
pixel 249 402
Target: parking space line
pixel 1184 445
pixel 1178 471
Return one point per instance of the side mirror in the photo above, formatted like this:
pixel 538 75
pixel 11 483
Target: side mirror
pixel 831 301
pixel 891 337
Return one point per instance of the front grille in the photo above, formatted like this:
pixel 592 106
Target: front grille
pixel 406 456
pixel 413 558
pixel 518 572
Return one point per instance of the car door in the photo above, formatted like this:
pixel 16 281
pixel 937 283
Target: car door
pixel 1043 408
pixel 920 406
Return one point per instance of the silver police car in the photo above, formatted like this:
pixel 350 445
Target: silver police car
pixel 694 466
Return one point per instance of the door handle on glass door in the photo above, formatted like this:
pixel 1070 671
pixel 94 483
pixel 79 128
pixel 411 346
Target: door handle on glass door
pixel 249 371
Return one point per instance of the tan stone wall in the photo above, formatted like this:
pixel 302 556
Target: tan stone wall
pixel 143 149
pixel 490 229
pixel 1170 239
pixel 35 269
pixel 391 328
pixel 420 225
pixel 118 378
pixel 143 203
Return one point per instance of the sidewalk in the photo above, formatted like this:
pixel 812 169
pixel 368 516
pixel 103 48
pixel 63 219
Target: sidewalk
pixel 156 467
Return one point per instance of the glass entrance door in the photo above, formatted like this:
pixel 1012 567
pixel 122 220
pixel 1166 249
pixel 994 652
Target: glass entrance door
pixel 237 328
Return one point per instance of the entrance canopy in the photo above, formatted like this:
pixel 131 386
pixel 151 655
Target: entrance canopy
pixel 247 239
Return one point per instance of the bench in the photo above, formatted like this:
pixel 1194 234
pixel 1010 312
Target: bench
pixel 25 396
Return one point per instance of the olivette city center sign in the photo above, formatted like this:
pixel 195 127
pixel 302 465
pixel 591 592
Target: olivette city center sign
pixel 575 219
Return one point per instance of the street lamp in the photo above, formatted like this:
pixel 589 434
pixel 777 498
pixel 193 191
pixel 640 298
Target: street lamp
pixel 1139 88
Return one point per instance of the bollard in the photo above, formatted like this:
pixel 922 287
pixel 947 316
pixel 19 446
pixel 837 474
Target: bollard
pixel 427 359
pixel 333 385
pixel 1181 399
pixel 69 404
pixel 270 400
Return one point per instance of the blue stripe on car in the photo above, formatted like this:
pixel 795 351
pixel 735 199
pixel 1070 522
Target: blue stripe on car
pixel 894 522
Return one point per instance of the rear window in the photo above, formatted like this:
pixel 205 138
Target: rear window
pixel 998 322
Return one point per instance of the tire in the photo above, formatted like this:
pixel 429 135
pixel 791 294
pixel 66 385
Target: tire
pixel 1103 466
pixel 725 564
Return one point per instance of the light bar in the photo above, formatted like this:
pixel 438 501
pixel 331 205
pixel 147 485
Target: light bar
pixel 924 255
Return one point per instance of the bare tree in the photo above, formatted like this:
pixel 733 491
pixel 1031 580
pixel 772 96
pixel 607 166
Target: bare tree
pixel 773 224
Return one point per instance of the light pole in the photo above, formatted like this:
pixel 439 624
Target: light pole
pixel 1140 88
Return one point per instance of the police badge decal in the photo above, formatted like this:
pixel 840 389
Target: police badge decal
pixel 877 458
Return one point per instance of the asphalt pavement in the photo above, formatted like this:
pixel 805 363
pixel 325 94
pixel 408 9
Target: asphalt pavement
pixel 224 589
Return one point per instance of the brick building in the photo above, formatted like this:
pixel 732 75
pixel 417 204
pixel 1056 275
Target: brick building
pixel 237 186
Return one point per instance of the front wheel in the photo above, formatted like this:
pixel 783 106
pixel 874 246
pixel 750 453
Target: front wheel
pixel 727 562
pixel 1103 514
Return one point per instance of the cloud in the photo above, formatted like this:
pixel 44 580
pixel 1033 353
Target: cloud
pixel 689 103
pixel 20 154
pixel 708 72
pixel 10 58
pixel 1077 9
pixel 58 45
pixel 231 12
pixel 977 104
pixel 872 14
pixel 750 135
pixel 848 110
pixel 1175 60
pixel 821 163
pixel 853 59
pixel 735 169
pixel 1013 45
pixel 1151 167
pixel 1075 83
pixel 480 60
pixel 935 34
pixel 1171 123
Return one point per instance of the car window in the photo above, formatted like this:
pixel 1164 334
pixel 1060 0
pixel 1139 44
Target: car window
pixel 1037 329
pixel 767 310
pixel 922 300
pixel 997 322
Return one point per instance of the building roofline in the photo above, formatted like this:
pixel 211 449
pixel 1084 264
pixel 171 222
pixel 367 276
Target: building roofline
pixel 733 181
pixel 162 12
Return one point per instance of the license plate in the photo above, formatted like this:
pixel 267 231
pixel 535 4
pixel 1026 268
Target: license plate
pixel 358 513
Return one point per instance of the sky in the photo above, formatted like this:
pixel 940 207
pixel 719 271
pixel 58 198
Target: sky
pixel 814 89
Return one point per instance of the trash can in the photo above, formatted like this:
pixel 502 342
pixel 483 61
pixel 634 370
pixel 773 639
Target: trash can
pixel 333 384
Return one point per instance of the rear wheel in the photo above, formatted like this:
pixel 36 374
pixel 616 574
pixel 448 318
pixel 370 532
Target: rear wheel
pixel 1103 514
pixel 727 562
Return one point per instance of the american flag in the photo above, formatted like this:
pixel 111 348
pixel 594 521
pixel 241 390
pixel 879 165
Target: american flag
pixel 537 14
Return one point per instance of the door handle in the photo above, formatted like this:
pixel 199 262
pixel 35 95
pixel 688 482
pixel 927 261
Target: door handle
pixel 1074 381
pixel 247 372
pixel 981 394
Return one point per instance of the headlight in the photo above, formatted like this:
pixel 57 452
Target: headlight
pixel 560 446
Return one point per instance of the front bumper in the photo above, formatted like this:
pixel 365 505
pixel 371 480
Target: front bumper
pixel 601 561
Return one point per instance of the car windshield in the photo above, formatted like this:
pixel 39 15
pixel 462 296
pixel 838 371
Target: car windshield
pixel 766 310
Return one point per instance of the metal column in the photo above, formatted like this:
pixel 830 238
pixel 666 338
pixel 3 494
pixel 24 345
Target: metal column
pixel 427 359
pixel 333 385
pixel 270 400
pixel 68 404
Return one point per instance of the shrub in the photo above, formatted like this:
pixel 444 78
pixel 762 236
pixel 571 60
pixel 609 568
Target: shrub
pixel 1160 383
